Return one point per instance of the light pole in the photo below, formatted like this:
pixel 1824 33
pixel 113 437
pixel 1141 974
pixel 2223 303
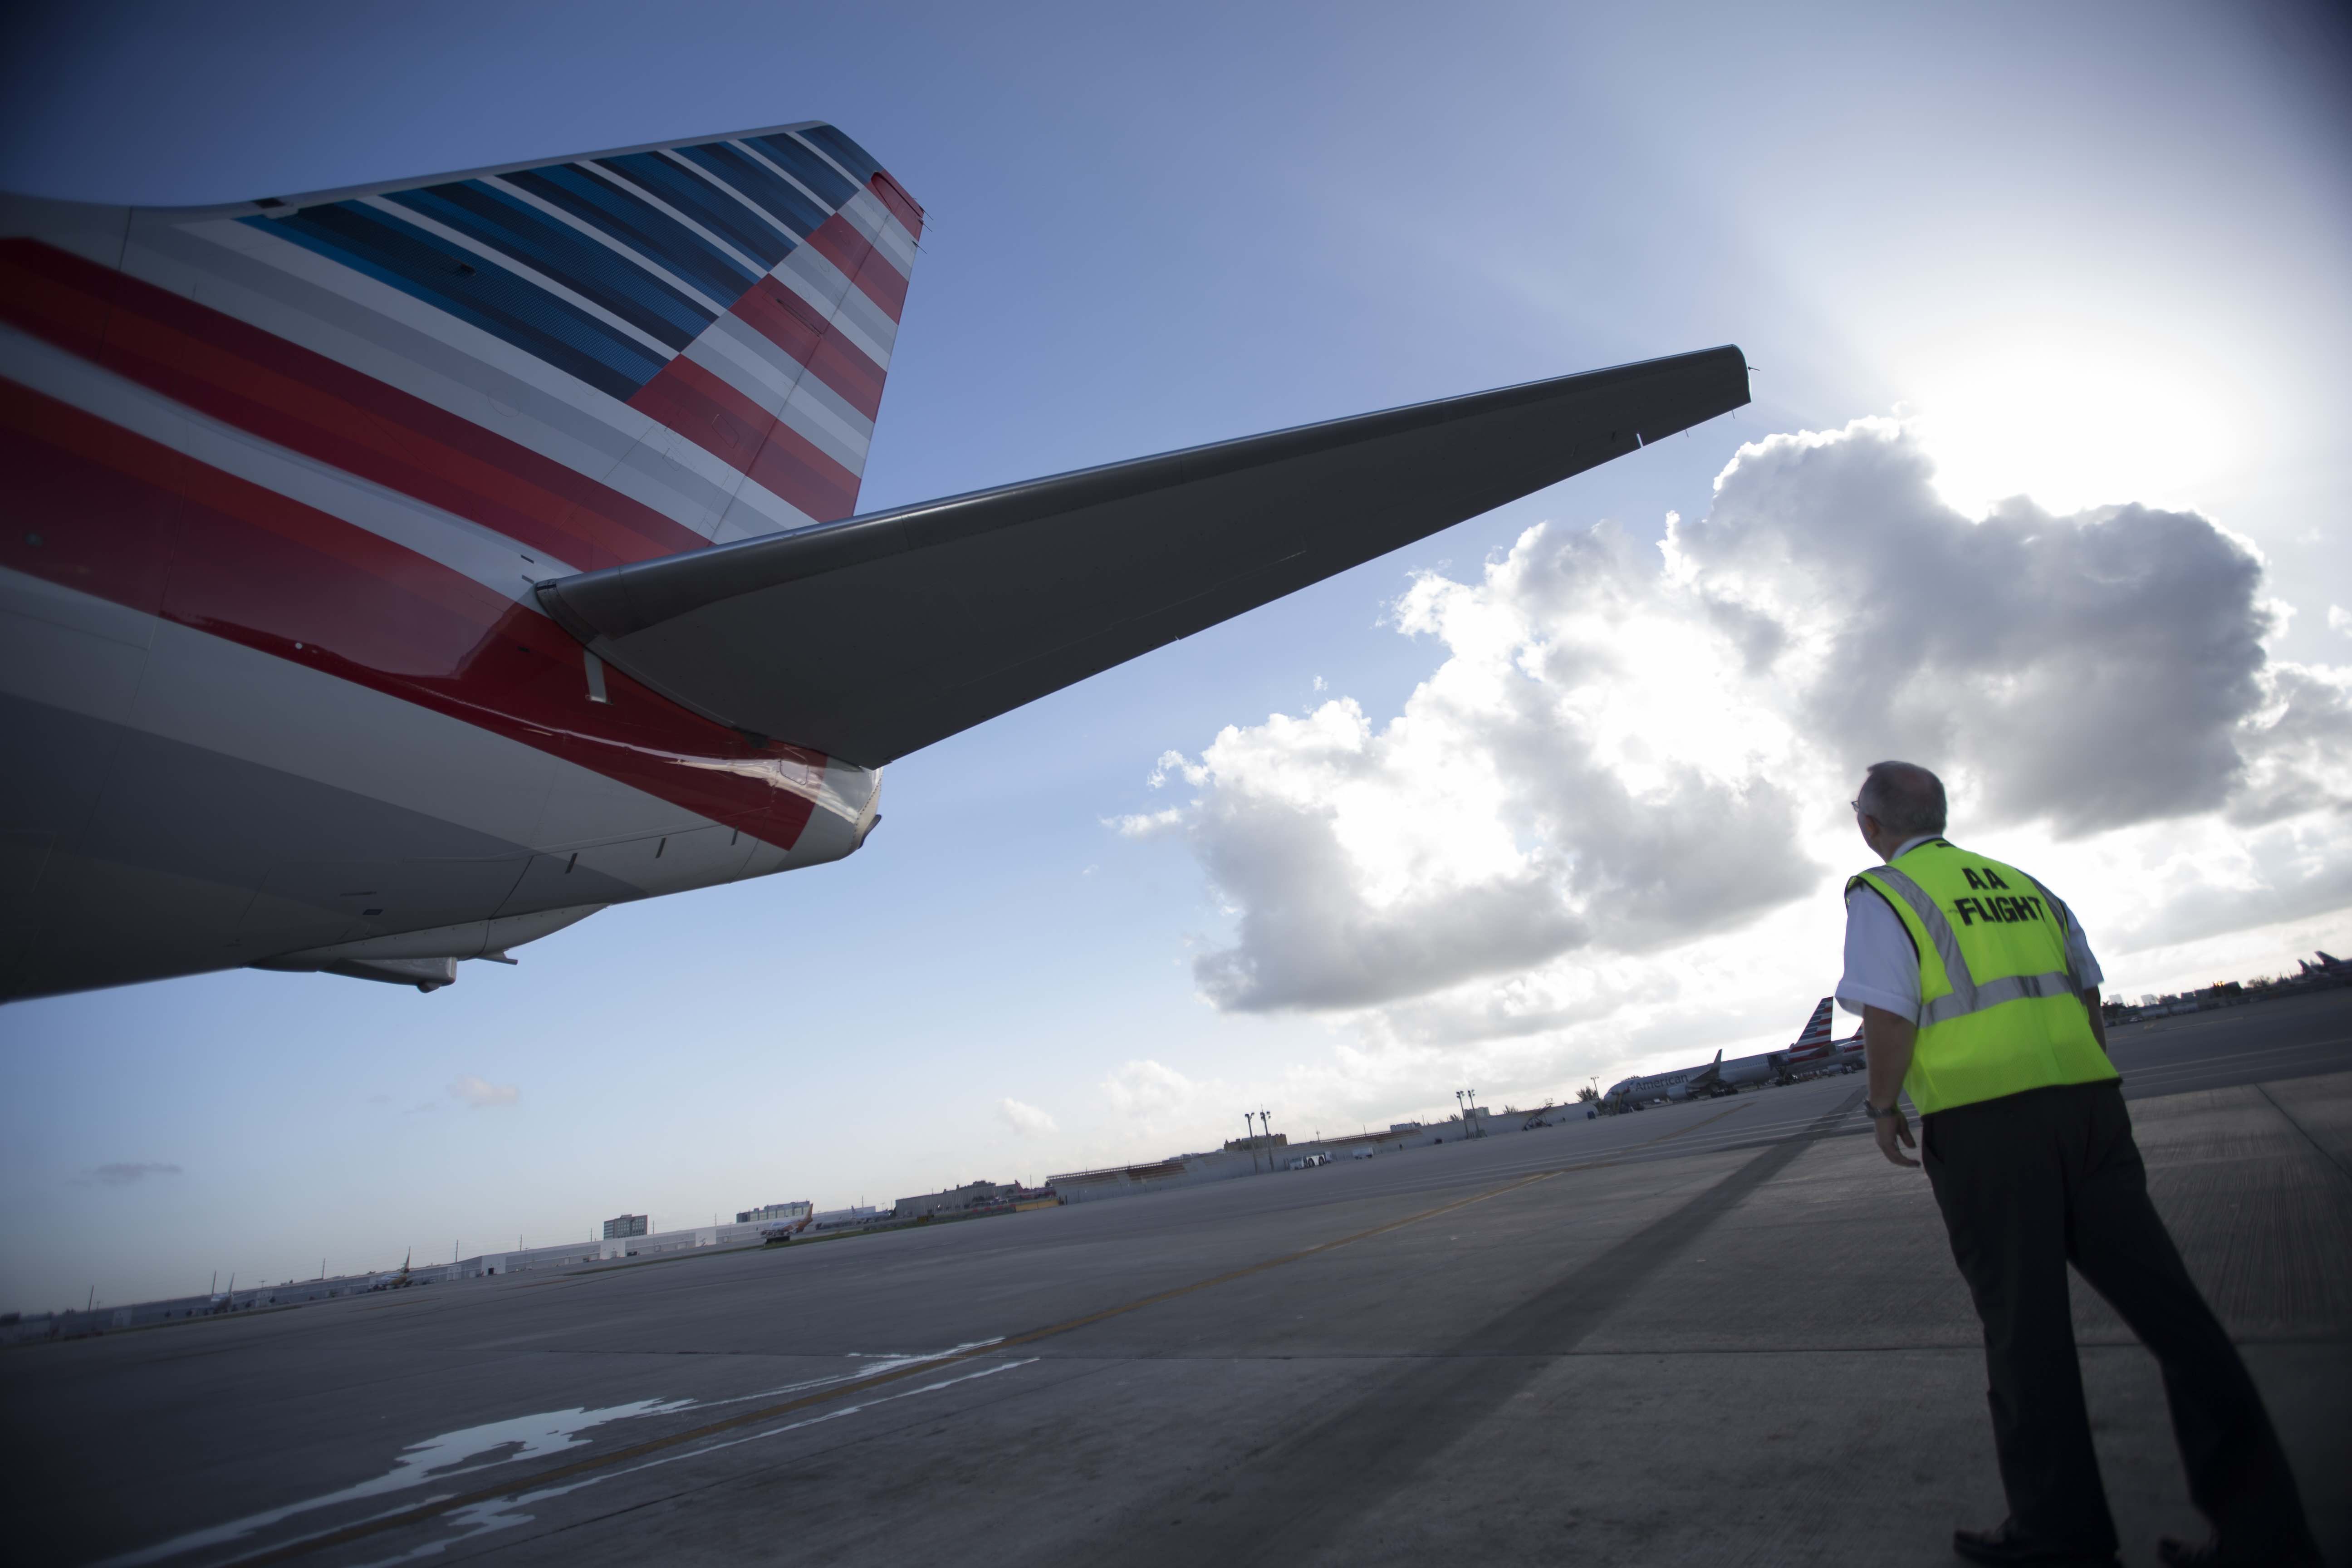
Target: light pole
pixel 1251 1142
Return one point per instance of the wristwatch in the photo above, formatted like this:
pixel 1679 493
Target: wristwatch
pixel 1877 1115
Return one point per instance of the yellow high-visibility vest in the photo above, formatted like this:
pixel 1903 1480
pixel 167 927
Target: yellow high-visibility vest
pixel 2000 1011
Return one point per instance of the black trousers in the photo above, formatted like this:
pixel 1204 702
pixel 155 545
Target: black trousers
pixel 2029 1183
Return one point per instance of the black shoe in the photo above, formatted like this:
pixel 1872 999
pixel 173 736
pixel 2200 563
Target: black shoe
pixel 2004 1545
pixel 2174 1554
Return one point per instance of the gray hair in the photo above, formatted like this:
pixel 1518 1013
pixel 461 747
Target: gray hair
pixel 1907 798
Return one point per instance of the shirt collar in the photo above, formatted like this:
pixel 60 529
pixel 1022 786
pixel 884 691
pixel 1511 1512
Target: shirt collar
pixel 1911 844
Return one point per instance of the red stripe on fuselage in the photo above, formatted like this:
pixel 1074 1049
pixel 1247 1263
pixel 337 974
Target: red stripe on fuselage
pixel 792 324
pixel 308 402
pixel 98 508
pixel 837 240
pixel 708 412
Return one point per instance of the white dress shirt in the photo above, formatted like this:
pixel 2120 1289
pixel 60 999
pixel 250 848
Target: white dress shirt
pixel 1881 969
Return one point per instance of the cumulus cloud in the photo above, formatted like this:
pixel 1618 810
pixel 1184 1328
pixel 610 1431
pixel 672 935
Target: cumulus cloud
pixel 2093 669
pixel 479 1093
pixel 2339 619
pixel 1149 1089
pixel 1148 1104
pixel 1023 1119
pixel 127 1173
pixel 1626 748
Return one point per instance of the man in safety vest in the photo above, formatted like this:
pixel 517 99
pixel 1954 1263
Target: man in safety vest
pixel 1981 998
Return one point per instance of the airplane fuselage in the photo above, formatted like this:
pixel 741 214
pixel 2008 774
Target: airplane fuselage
pixel 394 575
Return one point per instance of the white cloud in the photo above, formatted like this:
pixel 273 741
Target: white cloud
pixel 1179 765
pixel 2339 619
pixel 1149 1089
pixel 1150 1107
pixel 1610 816
pixel 1023 1119
pixel 478 1093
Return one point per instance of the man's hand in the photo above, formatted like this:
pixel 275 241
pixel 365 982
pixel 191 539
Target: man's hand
pixel 1887 1039
pixel 1890 1131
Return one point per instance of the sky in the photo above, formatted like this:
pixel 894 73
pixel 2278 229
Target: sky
pixel 2042 486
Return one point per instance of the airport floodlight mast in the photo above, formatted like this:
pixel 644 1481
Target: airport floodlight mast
pixel 1467 1099
pixel 1249 1141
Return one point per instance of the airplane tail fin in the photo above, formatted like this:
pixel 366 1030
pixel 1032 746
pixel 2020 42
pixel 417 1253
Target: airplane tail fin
pixel 784 385
pixel 608 358
pixel 1817 1027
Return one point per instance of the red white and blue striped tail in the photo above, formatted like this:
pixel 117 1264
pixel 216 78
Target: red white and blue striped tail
pixel 603 359
pixel 1817 1027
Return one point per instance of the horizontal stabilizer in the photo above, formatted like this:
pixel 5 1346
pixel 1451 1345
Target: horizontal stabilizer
pixel 868 638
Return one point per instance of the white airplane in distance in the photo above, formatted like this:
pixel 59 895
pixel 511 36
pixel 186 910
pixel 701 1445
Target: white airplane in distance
pixel 1813 1051
pixel 393 576
pixel 2328 964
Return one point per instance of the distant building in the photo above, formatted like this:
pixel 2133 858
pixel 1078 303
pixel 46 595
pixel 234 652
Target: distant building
pixel 774 1211
pixel 960 1199
pixel 1262 1141
pixel 1404 1126
pixel 626 1225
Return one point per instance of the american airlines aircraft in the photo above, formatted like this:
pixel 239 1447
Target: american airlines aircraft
pixel 393 576
pixel 1814 1051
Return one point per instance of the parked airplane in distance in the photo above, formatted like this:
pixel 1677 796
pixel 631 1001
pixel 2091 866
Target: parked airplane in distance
pixel 395 576
pixel 1683 1083
pixel 2328 964
pixel 1813 1052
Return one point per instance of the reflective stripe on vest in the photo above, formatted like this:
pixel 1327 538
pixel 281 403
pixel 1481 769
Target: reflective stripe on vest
pixel 2000 1009
pixel 1967 996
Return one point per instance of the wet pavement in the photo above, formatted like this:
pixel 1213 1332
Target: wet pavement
pixel 1720 1332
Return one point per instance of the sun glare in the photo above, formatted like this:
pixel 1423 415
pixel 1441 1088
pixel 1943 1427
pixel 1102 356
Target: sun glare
pixel 2073 420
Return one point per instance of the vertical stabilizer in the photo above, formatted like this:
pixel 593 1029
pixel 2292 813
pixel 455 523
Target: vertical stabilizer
pixel 604 358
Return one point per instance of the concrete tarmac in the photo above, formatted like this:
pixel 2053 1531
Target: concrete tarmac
pixel 1724 1332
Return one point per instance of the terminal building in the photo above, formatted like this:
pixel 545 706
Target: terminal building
pixel 973 1197
pixel 627 1224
